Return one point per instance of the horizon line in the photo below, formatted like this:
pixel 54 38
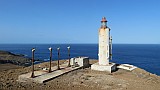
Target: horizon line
pixel 76 43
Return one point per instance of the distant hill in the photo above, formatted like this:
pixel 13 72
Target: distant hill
pixel 18 59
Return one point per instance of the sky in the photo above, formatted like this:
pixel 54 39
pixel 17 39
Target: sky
pixel 78 21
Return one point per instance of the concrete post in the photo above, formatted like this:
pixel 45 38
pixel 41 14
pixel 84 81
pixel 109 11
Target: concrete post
pixel 69 56
pixel 32 75
pixel 50 49
pixel 58 68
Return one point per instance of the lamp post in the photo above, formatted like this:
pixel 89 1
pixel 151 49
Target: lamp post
pixel 68 56
pixel 50 49
pixel 58 68
pixel 32 75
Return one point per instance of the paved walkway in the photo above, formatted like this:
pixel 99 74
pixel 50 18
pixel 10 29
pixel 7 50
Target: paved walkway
pixel 43 75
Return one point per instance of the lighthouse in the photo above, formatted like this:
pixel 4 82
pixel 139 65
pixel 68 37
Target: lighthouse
pixel 104 49
pixel 104 43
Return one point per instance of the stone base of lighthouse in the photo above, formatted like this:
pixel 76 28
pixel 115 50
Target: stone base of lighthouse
pixel 109 68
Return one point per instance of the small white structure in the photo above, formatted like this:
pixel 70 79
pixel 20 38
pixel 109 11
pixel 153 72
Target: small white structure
pixel 105 49
pixel 80 61
pixel 127 67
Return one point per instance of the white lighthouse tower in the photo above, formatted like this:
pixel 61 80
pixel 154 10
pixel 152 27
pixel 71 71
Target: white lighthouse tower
pixel 105 49
pixel 103 54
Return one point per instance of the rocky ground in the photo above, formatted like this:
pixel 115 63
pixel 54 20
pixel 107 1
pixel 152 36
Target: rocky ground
pixel 82 79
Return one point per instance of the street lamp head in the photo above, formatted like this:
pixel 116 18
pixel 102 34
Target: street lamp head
pixel 33 49
pixel 50 49
pixel 58 48
pixel 68 47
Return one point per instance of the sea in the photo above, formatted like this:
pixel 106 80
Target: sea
pixel 146 56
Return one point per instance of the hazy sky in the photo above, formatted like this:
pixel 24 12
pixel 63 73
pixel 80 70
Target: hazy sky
pixel 78 21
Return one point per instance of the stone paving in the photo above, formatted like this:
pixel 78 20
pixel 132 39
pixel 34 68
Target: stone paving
pixel 43 75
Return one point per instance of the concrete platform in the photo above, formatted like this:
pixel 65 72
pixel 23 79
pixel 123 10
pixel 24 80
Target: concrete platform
pixel 109 68
pixel 127 67
pixel 43 75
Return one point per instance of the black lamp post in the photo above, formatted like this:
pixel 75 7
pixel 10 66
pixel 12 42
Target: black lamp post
pixel 58 58
pixel 50 49
pixel 32 75
pixel 69 56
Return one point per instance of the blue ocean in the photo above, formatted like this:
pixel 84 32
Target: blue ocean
pixel 146 56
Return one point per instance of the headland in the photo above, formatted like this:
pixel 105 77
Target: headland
pixel 85 79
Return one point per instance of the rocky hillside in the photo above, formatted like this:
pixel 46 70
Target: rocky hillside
pixel 8 57
pixel 82 79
